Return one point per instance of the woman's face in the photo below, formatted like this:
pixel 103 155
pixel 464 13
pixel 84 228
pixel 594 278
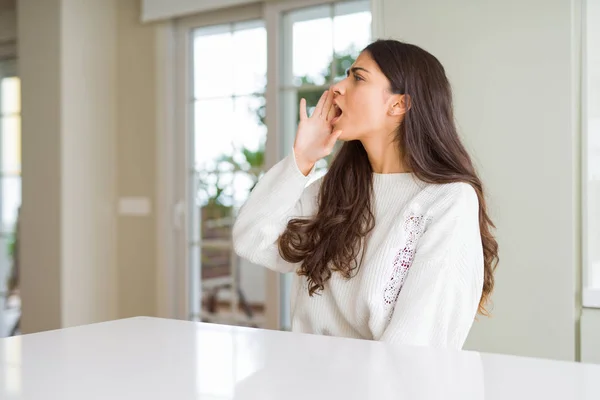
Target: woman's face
pixel 365 102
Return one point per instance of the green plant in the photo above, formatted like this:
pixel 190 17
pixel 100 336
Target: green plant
pixel 11 244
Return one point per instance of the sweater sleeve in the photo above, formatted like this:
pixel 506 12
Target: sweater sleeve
pixel 438 301
pixel 280 195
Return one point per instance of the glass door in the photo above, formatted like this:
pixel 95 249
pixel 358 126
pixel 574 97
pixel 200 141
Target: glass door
pixel 225 146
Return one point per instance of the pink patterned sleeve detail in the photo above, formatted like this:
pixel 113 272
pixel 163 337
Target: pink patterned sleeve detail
pixel 414 226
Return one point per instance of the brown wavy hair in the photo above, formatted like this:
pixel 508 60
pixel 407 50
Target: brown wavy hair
pixel 333 239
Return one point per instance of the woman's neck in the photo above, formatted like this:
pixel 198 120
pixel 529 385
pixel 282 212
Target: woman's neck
pixel 384 155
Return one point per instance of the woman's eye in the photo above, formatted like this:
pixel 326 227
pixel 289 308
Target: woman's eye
pixel 356 77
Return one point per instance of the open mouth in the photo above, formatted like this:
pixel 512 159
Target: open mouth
pixel 338 113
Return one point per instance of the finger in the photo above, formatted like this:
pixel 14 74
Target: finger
pixel 327 106
pixel 319 107
pixel 303 113
pixel 331 113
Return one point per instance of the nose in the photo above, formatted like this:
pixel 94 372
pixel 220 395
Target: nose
pixel 338 88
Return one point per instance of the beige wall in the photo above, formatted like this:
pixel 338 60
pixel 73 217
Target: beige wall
pixel 153 10
pixel 69 128
pixel 593 57
pixel 39 68
pixel 136 152
pixel 515 86
pixel 590 336
pixel 8 33
pixel 8 24
pixel 88 83
pixel 88 133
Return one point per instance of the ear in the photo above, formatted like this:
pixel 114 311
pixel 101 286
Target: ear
pixel 400 105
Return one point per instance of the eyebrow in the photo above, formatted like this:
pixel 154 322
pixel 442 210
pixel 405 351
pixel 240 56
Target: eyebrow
pixel 355 69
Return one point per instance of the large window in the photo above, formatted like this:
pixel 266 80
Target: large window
pixel 591 155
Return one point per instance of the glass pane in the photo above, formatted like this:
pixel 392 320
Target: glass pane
pixel 10 90
pixel 230 63
pixel 11 200
pixel 249 158
pixel 250 63
pixel 11 144
pixel 229 137
pixel 351 34
pixel 213 55
pixel 230 134
pixel 309 33
pixel 213 131
pixel 289 119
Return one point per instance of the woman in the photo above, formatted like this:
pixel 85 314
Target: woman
pixel 394 243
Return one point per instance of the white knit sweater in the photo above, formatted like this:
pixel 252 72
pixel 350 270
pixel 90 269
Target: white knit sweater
pixel 421 278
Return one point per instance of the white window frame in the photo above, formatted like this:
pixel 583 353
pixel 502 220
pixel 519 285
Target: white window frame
pixel 591 295
pixel 173 77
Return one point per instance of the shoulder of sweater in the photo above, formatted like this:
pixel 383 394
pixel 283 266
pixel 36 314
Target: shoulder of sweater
pixel 451 214
pixel 450 199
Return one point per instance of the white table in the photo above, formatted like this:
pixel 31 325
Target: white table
pixel 150 359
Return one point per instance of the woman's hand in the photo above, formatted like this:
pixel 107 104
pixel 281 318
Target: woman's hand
pixel 314 138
